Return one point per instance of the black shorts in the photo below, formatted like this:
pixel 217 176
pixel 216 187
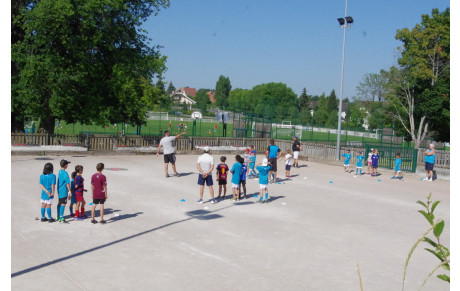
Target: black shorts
pixel 98 201
pixel 429 166
pixel 63 200
pixel 243 182
pixel 273 164
pixel 170 158
pixel 222 182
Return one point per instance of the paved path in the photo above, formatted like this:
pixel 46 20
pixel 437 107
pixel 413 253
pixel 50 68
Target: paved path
pixel 311 236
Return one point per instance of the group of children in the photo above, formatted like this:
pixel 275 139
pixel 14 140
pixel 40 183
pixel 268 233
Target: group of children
pixel 72 189
pixel 372 163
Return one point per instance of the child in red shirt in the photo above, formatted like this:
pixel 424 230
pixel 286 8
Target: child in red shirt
pixel 99 188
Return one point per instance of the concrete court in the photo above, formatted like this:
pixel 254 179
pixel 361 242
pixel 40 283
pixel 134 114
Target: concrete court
pixel 311 236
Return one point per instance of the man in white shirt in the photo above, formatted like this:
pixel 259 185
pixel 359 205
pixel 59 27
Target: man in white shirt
pixel 205 165
pixel 168 151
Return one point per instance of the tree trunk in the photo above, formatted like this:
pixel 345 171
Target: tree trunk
pixel 48 124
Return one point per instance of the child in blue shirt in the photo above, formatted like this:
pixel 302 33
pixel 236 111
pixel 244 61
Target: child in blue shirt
pixel 236 175
pixel 48 186
pixel 244 170
pixel 252 163
pixel 359 163
pixel 64 191
pixel 375 162
pixel 398 163
pixel 346 162
pixel 263 169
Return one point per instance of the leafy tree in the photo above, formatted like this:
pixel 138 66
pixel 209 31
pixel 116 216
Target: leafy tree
pixel 85 61
pixel 321 113
pixel 372 88
pixel 171 88
pixel 202 99
pixel 223 87
pixel 333 102
pixel 304 100
pixel 239 99
pixel 278 95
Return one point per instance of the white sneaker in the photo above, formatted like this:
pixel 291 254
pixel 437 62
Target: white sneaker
pixel 426 179
pixel 213 201
pixel 430 180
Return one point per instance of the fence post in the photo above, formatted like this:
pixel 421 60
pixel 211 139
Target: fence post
pixel 414 160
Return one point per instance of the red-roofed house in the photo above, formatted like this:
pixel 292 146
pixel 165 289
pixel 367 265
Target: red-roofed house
pixel 211 97
pixel 189 91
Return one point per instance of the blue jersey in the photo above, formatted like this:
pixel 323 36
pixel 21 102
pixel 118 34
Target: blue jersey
pixel 63 180
pixel 236 171
pixel 398 164
pixel 273 151
pixel 47 181
pixel 263 174
pixel 244 170
pixel 429 159
pixel 375 160
pixel 252 159
pixel 347 158
pixel 359 160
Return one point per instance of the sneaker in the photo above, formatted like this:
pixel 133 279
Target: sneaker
pixel 78 218
pixel 213 201
pixel 400 178
pixel 103 222
pixel 84 217
pixel 167 176
pixel 176 174
pixel 51 220
pixel 393 177
pixel 93 221
pixel 430 180
pixel 200 201
pixel 44 219
pixel 426 179
pixel 62 220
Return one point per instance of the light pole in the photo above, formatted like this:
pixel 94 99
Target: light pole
pixel 344 23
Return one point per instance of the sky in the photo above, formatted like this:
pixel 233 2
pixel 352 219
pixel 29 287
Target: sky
pixel 296 42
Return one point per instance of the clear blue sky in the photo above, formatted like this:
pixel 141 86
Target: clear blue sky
pixel 298 43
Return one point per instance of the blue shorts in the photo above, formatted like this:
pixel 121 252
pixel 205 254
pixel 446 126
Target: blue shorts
pixel 288 167
pixel 429 166
pixel 251 166
pixel 208 180
pixel 73 198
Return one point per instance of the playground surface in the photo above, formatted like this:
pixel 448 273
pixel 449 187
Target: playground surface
pixel 318 226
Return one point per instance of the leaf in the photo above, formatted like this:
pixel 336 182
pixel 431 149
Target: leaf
pixel 444 277
pixel 438 255
pixel 423 204
pixel 438 228
pixel 427 216
pixel 430 241
pixel 434 206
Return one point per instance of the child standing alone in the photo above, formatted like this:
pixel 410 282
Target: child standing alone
pixel 263 169
pixel 359 163
pixel 288 158
pixel 398 163
pixel 48 186
pixel 99 189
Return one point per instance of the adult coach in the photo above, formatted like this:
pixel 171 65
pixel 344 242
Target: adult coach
pixel 429 163
pixel 205 165
pixel 274 153
pixel 168 152
pixel 296 151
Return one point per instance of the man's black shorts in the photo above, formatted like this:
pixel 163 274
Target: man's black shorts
pixel 222 182
pixel 63 200
pixel 98 201
pixel 273 164
pixel 170 158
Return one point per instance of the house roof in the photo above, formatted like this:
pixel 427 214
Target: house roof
pixel 189 91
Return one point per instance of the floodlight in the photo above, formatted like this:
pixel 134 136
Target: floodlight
pixel 341 21
pixel 349 19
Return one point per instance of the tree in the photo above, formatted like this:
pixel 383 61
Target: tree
pixel 372 88
pixel 304 100
pixel 202 99
pixel 171 88
pixel 425 59
pixel 333 102
pixel 223 87
pixel 85 61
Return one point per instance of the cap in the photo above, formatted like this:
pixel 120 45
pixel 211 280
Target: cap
pixel 264 162
pixel 64 162
pixel 294 136
pixel 247 150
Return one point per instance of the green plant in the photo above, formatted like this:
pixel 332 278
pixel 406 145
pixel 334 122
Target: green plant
pixel 437 249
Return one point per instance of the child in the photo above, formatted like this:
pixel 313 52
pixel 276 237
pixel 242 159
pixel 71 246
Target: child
pixel 236 171
pixel 73 198
pixel 263 169
pixel 222 170
pixel 369 161
pixel 375 162
pixel 79 188
pixel 99 189
pixel 252 163
pixel 48 186
pixel 288 158
pixel 397 172
pixel 244 169
pixel 247 157
pixel 359 163
pixel 346 162
pixel 63 189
